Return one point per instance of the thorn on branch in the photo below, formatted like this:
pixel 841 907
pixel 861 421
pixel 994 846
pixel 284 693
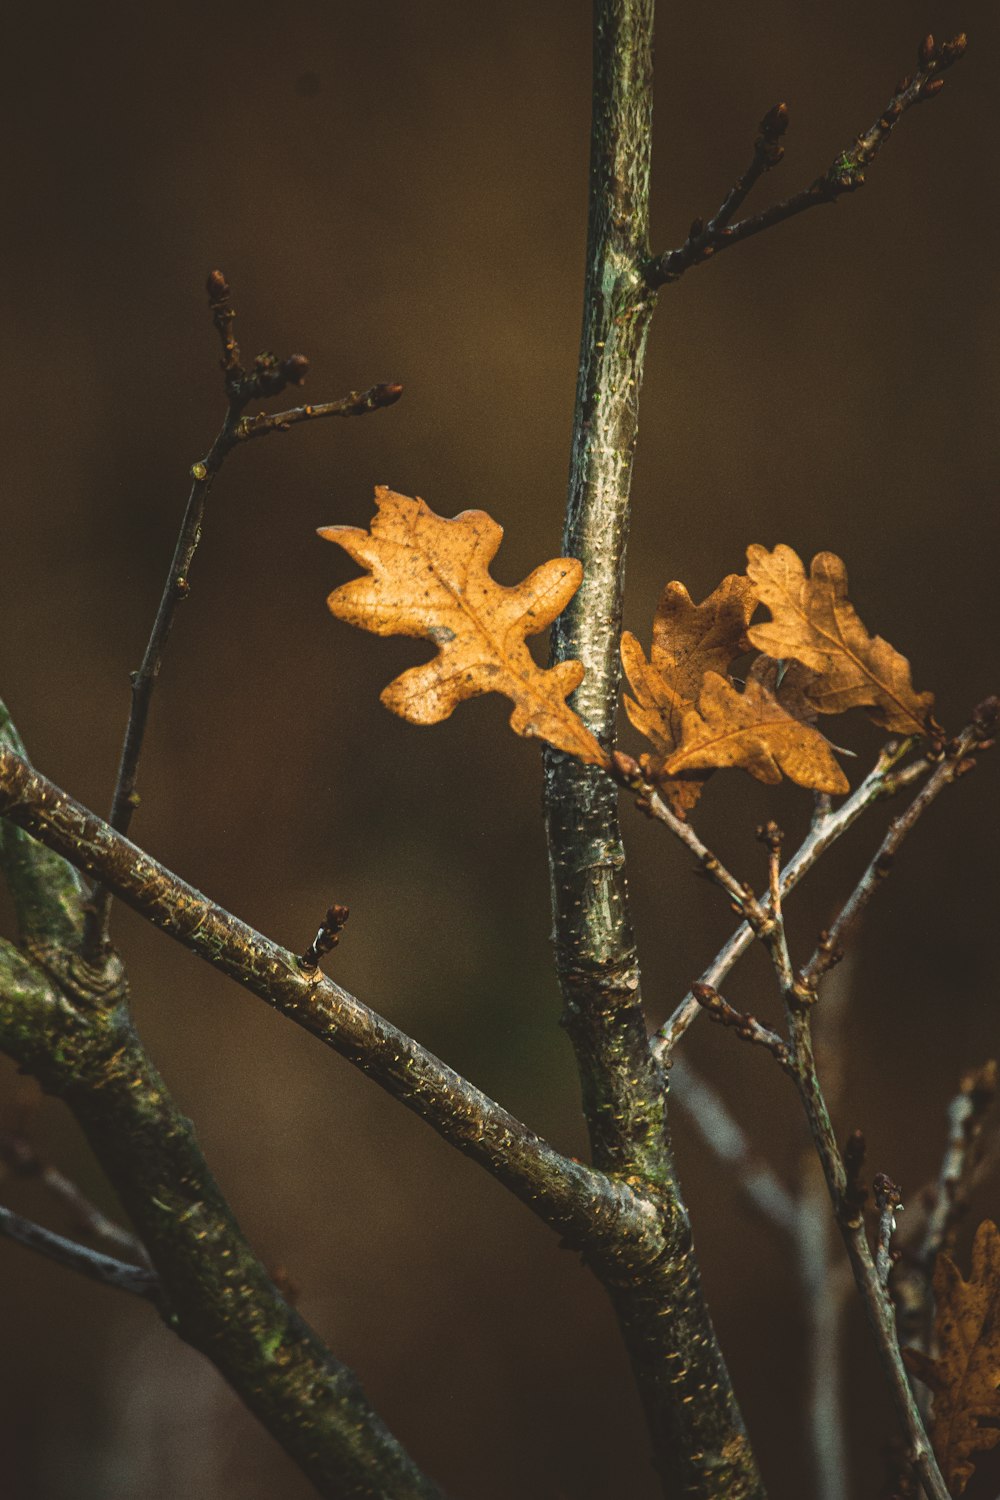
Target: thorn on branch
pixel 326 939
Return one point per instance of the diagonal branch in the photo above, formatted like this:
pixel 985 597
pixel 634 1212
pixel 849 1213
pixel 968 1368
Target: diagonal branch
pixel 585 1205
pixel 845 175
pixel 884 780
pixel 955 762
pixel 22 1160
pixel 92 1263
pixel 213 1290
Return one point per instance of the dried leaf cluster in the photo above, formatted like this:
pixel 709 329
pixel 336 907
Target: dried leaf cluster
pixel 965 1376
pixel 429 576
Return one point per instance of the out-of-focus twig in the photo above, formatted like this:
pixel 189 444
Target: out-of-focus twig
pixel 138 1280
pixel 22 1160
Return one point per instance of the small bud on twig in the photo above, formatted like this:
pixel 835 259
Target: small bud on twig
pixel 217 287
pixel 326 938
pixel 953 50
pixel 775 122
pixel 927 51
pixel 295 369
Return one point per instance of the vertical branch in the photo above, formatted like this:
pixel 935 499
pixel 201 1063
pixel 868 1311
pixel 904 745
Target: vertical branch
pixel 595 948
pixel 699 1445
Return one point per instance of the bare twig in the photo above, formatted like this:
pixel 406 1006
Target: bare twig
pixel 966 1114
pixel 884 780
pixel 22 1160
pixel 356 404
pixel 740 894
pixel 747 1027
pixel 936 1211
pixel 826 1285
pixel 955 762
pixel 268 377
pixel 845 175
pixel 767 152
pixel 138 1280
pixel 875 1298
pixel 888 1200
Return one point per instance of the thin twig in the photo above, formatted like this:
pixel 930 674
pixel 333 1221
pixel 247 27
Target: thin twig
pixel 845 175
pixel 875 1298
pixel 747 1027
pixel 884 780
pixel 22 1160
pixel 826 1285
pixel 268 377
pixel 104 1268
pixel 955 762
pixel 355 404
pixel 740 894
pixel 935 1213
pixel 888 1201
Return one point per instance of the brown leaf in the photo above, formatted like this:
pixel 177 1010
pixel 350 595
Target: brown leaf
pixel 752 730
pixel 965 1377
pixel 429 576
pixel 688 640
pixel 814 622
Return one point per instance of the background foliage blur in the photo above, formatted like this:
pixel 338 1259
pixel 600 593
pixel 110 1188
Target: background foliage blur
pixel 399 192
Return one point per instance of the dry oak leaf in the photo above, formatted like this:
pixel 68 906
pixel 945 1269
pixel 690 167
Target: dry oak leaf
pixel 966 1374
pixel 754 731
pixel 813 622
pixel 688 640
pixel 429 576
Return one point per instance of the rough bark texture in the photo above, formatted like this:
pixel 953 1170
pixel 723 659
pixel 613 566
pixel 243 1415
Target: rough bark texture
pixel 700 1447
pixel 67 1023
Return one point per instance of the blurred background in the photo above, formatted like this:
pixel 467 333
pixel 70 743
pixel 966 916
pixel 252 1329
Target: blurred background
pixel 399 192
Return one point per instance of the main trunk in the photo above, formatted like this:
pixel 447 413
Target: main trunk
pixel 700 1447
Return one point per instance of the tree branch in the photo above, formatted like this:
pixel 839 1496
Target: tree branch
pixel 587 1206
pixel 878 1306
pixel 884 780
pixel 213 1291
pixel 699 1444
pixel 91 1263
pixel 956 760
pixel 268 377
pixel 21 1160
pixel 756 1179
pixel 845 175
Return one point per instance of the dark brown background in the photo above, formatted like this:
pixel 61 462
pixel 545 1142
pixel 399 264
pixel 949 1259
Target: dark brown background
pixel 399 192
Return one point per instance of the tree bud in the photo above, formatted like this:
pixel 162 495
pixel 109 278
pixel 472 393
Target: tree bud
pixel 217 287
pixel 295 369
